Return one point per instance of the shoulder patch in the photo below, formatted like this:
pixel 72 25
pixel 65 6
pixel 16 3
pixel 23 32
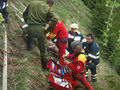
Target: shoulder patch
pixel 78 67
pixel 82 58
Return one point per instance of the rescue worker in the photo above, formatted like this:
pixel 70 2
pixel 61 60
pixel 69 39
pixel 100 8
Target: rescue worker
pixel 92 51
pixel 78 65
pixel 3 5
pixel 61 33
pixel 74 35
pixel 36 15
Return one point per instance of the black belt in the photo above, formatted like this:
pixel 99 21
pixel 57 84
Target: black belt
pixel 63 40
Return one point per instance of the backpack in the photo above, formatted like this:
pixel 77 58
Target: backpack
pixel 59 83
pixel 56 77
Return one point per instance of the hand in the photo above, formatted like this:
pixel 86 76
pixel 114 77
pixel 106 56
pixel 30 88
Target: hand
pixel 49 22
pixel 22 20
pixel 65 56
pixel 67 62
pixel 90 61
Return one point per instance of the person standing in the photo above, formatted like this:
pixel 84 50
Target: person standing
pixel 61 33
pixel 93 55
pixel 74 35
pixel 36 15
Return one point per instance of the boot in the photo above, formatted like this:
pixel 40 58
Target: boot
pixel 30 47
pixel 94 79
pixel 30 44
pixel 87 78
pixel 44 65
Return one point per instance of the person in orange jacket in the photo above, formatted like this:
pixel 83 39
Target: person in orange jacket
pixel 61 33
pixel 78 65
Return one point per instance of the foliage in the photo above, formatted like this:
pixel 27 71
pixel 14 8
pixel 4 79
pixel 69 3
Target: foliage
pixel 106 26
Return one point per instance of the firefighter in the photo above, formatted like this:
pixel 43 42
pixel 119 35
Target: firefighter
pixel 3 5
pixel 61 33
pixel 78 65
pixel 92 51
pixel 74 35
pixel 36 15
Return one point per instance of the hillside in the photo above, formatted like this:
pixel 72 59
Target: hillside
pixel 24 68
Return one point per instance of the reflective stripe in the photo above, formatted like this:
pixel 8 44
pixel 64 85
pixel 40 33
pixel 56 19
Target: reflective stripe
pixel 94 75
pixel 86 72
pixel 70 36
pixel 92 56
pixel 4 5
pixel 98 53
pixel 53 66
pixel 77 38
pixel 77 32
pixel 93 78
pixel 84 40
pixel 25 25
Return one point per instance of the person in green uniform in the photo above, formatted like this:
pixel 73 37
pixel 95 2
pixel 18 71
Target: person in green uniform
pixel 36 15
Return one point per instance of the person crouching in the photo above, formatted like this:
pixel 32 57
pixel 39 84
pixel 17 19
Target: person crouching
pixel 78 65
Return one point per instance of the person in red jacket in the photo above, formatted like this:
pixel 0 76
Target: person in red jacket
pixel 61 33
pixel 78 65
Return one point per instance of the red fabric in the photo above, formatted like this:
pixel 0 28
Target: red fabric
pixel 71 80
pixel 55 69
pixel 55 85
pixel 60 30
pixel 86 83
pixel 77 66
pixel 48 37
pixel 61 33
pixel 61 47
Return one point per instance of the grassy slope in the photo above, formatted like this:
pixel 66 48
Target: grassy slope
pixel 24 69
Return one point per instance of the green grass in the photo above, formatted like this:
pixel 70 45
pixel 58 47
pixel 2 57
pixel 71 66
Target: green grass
pixel 24 68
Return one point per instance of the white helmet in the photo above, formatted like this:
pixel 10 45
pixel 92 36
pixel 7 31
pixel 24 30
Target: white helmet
pixel 74 25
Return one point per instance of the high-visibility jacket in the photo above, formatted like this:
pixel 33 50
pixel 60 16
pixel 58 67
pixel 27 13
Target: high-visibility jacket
pixel 77 37
pixel 60 32
pixel 78 66
pixel 92 51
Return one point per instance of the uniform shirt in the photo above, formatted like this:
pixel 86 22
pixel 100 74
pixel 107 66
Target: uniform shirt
pixel 38 12
pixel 79 63
pixel 3 4
pixel 60 32
pixel 71 38
pixel 92 51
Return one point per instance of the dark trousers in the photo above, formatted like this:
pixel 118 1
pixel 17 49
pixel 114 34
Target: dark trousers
pixel 36 31
pixel 92 67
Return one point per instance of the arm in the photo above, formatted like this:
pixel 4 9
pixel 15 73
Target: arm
pixel 94 53
pixel 51 19
pixel 25 14
pixel 70 56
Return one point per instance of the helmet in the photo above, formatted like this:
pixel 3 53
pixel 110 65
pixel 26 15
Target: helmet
pixel 74 25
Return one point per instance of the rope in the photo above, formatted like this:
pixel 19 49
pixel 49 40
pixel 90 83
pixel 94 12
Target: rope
pixel 4 84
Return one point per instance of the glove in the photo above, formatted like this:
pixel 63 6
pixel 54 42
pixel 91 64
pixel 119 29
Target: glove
pixel 22 20
pixel 1 18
